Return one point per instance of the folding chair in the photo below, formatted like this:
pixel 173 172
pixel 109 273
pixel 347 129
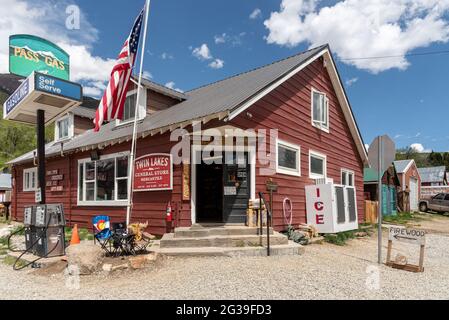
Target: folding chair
pixel 102 232
pixel 122 241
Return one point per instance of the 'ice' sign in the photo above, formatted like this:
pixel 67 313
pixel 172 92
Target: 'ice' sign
pixel 319 207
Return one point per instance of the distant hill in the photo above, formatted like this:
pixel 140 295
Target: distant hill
pixel 17 139
pixel 423 160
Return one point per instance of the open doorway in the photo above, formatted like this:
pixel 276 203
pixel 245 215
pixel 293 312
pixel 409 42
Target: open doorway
pixel 209 182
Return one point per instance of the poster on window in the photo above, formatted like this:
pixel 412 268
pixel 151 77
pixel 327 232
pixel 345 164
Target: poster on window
pixel 153 172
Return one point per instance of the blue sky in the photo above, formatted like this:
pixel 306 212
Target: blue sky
pixel 404 97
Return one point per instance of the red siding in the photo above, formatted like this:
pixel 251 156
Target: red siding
pixel 147 206
pixel 288 109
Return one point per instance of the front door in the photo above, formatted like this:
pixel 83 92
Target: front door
pixel 236 187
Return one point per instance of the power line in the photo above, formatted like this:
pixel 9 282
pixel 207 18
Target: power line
pixel 400 56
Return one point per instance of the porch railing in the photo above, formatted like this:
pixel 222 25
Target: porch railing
pixel 267 206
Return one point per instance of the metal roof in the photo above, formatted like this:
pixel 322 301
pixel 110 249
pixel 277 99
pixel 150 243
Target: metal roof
pixel 5 181
pixel 402 165
pixel 432 174
pixel 215 100
pixel 162 89
pixel 84 112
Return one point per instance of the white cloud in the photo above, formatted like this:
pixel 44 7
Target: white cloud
pixel 351 81
pixel 362 28
pixel 217 64
pixel 257 13
pixel 366 146
pixel 147 75
pixel 47 19
pixel 166 56
pixel 233 39
pixel 202 52
pixel 418 147
pixel 172 85
pixel 220 38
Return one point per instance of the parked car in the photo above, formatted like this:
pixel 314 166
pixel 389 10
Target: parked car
pixel 438 203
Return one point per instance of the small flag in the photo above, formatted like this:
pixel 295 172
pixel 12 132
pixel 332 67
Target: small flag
pixel 113 100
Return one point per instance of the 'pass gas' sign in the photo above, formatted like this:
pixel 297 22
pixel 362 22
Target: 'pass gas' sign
pixel 153 172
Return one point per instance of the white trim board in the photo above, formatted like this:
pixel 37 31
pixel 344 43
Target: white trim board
pixel 338 87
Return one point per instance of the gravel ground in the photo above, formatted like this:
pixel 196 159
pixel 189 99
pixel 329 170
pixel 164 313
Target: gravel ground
pixel 323 272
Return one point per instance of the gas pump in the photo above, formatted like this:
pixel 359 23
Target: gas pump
pixel 44 232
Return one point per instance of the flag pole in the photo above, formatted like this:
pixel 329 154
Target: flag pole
pixel 134 140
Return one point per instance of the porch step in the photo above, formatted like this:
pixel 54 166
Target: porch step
pixel 290 248
pixel 197 231
pixel 170 241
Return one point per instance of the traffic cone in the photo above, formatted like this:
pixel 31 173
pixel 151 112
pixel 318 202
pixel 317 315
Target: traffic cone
pixel 75 236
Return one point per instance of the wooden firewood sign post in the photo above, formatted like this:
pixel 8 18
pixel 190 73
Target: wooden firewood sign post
pixel 413 236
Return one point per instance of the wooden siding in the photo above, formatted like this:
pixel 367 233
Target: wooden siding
pixel 288 109
pixel 156 101
pixel 82 124
pixel 148 206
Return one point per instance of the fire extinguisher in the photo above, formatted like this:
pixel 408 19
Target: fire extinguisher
pixel 168 217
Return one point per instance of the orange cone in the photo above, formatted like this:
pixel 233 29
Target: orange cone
pixel 75 236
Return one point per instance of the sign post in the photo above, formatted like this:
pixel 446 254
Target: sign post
pixel 44 95
pixel 381 154
pixel 413 236
pixel 40 133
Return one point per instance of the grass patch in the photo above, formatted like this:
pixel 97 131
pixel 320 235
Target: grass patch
pixel 340 238
pixel 402 218
pixel 83 233
pixel 8 260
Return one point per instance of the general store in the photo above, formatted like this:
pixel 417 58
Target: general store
pixel 301 97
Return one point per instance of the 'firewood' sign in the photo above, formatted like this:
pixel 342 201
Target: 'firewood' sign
pixel 412 236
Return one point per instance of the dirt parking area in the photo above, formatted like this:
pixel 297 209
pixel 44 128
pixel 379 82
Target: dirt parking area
pixel 325 271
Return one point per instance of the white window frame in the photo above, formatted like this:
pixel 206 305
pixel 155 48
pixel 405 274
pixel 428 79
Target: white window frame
pixel 293 147
pixel 28 187
pixel 319 125
pixel 105 203
pixel 71 129
pixel 316 154
pixel 347 172
pixel 141 111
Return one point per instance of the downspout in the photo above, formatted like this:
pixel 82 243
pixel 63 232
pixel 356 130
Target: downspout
pixel 70 190
pixel 14 181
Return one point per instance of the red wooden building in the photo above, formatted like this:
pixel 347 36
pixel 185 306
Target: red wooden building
pixel 301 96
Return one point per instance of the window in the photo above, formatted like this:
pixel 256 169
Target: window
pixel 320 110
pixel 439 196
pixel 103 182
pixel 130 106
pixel 288 158
pixel 317 165
pixel 347 177
pixel 30 179
pixel 64 128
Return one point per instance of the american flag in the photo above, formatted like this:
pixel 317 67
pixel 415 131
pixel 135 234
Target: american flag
pixel 113 100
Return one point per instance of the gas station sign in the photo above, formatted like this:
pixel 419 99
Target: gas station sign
pixel 29 53
pixel 40 91
pixel 153 172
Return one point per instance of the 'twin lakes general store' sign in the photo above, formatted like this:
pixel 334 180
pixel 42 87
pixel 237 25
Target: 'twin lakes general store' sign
pixel 153 172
